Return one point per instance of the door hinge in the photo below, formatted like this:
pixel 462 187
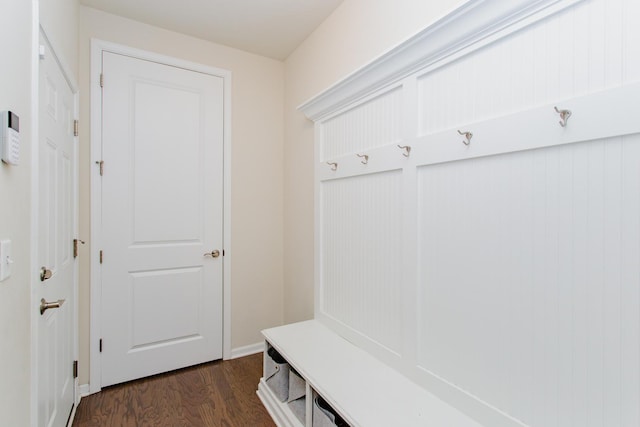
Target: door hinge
pixel 75 128
pixel 100 345
pixel 100 256
pixel 75 247
pixel 100 163
pixel 101 80
pixel 75 369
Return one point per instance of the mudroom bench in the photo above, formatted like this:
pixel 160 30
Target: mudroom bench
pixel 476 228
pixel 341 385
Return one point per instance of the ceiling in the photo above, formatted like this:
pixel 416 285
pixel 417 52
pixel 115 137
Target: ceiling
pixel 272 28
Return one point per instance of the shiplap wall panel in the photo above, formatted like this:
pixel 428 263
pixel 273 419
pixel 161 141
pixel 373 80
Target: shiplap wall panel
pixel 631 34
pixel 629 277
pixel 578 51
pixel 612 200
pixel 362 255
pixel 371 124
pixel 579 312
pixel 529 269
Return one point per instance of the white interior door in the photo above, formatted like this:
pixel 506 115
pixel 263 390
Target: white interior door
pixel 56 390
pixel 162 209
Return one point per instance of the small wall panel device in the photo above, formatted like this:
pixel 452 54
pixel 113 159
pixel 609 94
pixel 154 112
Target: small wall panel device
pixel 10 137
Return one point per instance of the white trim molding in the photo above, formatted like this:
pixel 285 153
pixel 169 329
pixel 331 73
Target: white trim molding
pixel 83 391
pixel 247 350
pixel 35 123
pixel 469 27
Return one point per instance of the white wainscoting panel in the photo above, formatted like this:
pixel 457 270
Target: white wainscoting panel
pixel 502 275
pixel 371 124
pixel 529 281
pixel 361 256
pixel 587 48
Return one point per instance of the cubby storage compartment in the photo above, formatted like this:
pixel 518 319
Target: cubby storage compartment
pixel 324 415
pixel 282 390
pixel 276 373
pixel 297 400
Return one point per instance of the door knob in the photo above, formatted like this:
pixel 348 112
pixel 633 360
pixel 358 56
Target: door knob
pixel 213 254
pixel 45 274
pixel 44 305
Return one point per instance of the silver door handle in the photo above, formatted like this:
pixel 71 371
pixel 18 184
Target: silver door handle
pixel 44 305
pixel 213 254
pixel 45 274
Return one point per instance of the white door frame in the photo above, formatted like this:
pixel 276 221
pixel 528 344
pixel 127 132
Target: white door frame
pixel 35 197
pixel 97 47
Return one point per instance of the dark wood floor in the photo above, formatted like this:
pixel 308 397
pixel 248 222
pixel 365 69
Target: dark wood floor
pixel 220 393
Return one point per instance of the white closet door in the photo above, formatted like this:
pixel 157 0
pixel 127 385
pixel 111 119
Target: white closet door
pixel 162 218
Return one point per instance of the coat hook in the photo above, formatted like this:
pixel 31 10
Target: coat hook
pixel 334 166
pixel 467 135
pixel 406 148
pixel 564 116
pixel 365 158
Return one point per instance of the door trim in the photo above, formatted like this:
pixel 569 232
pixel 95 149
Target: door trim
pixel 97 47
pixel 35 158
pixel 37 29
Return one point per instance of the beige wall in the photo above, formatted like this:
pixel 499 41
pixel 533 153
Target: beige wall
pixel 256 169
pixel 59 18
pixel 355 34
pixel 16 25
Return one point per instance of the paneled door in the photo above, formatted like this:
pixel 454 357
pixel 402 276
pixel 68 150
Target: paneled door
pixel 162 213
pixel 56 226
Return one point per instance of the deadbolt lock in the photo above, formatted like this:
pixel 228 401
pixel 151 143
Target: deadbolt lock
pixel 45 274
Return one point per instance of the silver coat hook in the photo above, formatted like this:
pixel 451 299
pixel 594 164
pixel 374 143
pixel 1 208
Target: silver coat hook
pixel 406 148
pixel 468 136
pixel 364 157
pixel 564 116
pixel 334 166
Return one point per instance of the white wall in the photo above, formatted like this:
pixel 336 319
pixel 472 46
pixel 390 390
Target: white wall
pixel 15 320
pixel 355 34
pixel 256 170
pixel 15 189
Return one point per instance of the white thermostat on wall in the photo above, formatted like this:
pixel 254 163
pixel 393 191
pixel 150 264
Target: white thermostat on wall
pixel 10 137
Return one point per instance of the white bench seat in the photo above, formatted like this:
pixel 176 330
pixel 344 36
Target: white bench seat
pixel 365 391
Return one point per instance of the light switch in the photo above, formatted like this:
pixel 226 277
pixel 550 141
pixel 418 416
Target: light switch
pixel 5 259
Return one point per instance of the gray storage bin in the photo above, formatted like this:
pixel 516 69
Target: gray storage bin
pixel 276 374
pixel 324 415
pixel 297 395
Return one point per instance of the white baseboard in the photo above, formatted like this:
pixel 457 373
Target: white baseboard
pixel 247 350
pixel 83 391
